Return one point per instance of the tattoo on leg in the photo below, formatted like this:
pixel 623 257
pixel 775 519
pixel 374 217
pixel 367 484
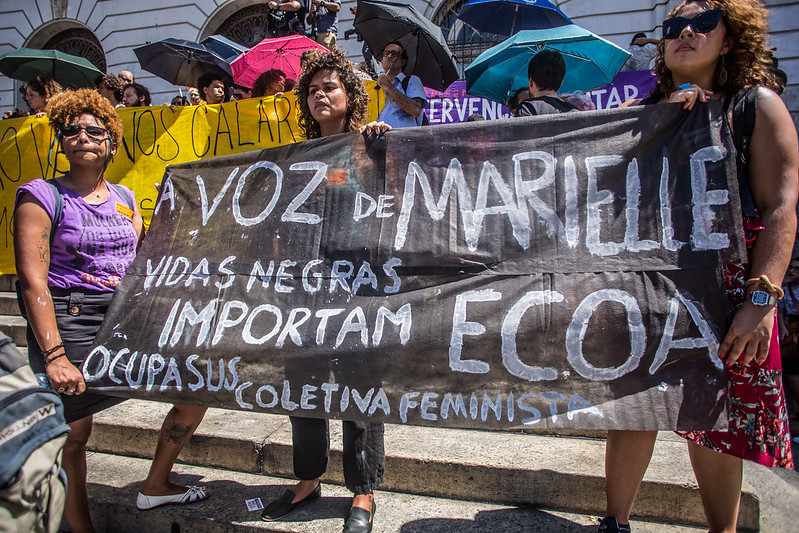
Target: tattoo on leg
pixel 177 432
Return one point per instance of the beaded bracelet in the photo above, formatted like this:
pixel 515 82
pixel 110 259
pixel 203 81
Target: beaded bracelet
pixel 766 284
pixel 48 361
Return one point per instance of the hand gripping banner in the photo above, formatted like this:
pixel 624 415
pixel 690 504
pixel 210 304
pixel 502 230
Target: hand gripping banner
pixel 558 271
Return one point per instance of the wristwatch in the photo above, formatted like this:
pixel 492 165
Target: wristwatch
pixel 762 298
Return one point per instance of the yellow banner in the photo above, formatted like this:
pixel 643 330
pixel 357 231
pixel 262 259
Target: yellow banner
pixel 153 137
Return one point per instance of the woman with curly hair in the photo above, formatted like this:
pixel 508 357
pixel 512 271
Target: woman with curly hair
pixel 269 83
pixel 332 100
pixel 74 238
pixel 39 91
pixel 716 49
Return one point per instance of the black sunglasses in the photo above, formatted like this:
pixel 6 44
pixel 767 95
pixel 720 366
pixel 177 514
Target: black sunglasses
pixel 96 133
pixel 704 22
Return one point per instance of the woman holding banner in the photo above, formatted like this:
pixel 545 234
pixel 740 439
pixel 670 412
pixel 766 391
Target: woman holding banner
pixel 74 238
pixel 332 100
pixel 716 49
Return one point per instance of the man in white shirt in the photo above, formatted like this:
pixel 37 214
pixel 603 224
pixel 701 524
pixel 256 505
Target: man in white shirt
pixel 405 100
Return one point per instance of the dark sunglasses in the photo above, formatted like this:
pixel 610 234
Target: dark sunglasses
pixel 96 133
pixel 704 22
pixel 391 53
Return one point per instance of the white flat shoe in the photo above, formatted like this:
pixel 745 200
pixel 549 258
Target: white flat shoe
pixel 192 495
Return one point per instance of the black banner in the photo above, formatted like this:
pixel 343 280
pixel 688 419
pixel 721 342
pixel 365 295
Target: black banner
pixel 558 271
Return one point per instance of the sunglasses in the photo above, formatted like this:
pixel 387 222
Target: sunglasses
pixel 391 53
pixel 704 22
pixel 95 133
pixel 793 268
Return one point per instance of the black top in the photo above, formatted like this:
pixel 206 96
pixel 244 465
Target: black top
pixel 544 105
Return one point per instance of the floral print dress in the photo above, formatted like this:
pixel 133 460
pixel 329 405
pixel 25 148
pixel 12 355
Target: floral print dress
pixel 758 422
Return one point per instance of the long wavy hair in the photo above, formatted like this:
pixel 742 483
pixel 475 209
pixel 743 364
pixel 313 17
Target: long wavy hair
pixel 748 60
pixel 357 101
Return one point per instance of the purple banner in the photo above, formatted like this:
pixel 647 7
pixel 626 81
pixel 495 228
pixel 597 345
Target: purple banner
pixel 454 106
pixel 626 86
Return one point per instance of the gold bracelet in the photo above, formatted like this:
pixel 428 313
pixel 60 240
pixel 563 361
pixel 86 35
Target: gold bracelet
pixel 766 284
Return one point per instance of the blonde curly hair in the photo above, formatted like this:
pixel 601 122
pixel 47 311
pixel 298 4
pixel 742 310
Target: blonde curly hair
pixel 357 101
pixel 747 62
pixel 66 106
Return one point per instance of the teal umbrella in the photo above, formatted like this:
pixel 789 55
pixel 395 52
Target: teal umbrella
pixel 24 64
pixel 591 62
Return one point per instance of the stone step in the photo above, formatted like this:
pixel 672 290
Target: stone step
pixel 14 327
pixel 7 282
pixel 8 304
pixel 114 482
pixel 540 471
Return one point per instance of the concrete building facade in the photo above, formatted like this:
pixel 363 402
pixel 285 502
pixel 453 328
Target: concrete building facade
pixel 107 31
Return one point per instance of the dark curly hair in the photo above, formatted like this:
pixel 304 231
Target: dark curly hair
pixel 264 81
pixel 747 62
pixel 357 101
pixel 113 82
pixel 66 106
pixel 45 85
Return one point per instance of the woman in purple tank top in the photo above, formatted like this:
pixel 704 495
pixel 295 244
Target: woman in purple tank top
pixel 74 238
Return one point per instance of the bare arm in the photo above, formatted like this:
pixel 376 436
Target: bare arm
pixel 32 251
pixel 774 181
pixel 285 6
pixel 412 106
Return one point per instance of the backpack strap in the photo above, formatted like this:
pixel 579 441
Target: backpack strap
pixel 744 111
pixel 58 209
pixel 124 194
pixel 58 196
pixel 423 122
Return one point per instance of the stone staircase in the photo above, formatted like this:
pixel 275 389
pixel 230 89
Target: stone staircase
pixel 437 479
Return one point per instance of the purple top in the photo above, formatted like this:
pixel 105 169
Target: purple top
pixel 93 245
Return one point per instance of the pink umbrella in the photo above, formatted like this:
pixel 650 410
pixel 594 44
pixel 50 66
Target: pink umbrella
pixel 279 52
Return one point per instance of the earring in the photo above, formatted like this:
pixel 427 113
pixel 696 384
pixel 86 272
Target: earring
pixel 722 75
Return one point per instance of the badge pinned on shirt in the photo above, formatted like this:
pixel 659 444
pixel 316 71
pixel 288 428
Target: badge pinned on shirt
pixel 124 210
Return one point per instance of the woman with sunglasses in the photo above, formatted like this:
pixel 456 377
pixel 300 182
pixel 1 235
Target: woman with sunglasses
pixel 332 100
pixel 716 50
pixel 69 261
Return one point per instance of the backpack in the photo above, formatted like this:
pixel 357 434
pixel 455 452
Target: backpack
pixel 32 434
pixel 405 81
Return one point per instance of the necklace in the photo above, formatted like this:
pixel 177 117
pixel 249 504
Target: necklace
pixel 93 192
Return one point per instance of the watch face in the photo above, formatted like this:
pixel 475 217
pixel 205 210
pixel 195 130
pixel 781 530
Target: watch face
pixel 759 298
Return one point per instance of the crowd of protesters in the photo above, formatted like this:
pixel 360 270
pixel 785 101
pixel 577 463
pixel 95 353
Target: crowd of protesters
pixel 702 55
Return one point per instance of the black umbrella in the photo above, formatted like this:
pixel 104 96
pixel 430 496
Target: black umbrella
pixel 181 62
pixel 429 57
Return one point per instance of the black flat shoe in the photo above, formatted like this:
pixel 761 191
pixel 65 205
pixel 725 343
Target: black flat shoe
pixel 282 506
pixel 360 520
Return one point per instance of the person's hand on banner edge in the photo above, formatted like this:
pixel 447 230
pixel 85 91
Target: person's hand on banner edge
pixel 749 335
pixel 65 377
pixel 374 127
pixel 689 95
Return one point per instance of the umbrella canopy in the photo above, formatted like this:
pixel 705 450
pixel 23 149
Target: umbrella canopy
pixel 24 64
pixel 224 47
pixel 429 58
pixel 181 62
pixel 281 53
pixel 591 61
pixel 506 17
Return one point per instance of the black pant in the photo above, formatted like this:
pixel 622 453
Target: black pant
pixel 364 457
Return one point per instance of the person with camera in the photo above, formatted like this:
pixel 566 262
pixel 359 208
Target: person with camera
pixel 323 18
pixel 285 18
